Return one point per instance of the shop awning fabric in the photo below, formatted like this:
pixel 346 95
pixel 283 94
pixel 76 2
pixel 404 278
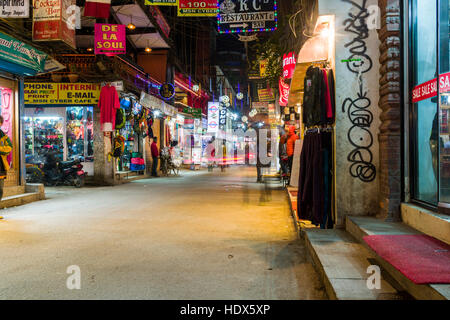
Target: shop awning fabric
pixel 18 57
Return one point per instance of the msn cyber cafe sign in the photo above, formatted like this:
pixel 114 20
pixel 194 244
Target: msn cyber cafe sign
pixel 240 16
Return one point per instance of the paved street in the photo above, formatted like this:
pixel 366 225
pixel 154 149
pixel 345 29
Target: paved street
pixel 199 236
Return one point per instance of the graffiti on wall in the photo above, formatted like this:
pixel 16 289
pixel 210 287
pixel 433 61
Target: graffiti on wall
pixel 358 108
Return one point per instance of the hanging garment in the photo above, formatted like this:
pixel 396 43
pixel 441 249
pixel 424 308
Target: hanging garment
pixel 331 90
pixel 108 104
pixel 312 114
pixel 327 97
pixel 314 198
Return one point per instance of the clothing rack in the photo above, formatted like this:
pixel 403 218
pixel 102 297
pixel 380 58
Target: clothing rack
pixel 317 129
pixel 321 64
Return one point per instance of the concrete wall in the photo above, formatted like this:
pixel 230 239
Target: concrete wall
pixel 357 113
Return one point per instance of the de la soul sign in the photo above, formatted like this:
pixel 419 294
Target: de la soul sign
pixel 240 16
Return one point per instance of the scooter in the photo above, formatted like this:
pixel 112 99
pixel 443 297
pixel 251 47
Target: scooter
pixel 53 172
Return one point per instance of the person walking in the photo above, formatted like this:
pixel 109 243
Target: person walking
pixel 155 156
pixel 290 145
pixel 5 150
pixel 282 151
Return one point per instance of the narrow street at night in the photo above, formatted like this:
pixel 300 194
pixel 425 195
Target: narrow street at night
pixel 200 236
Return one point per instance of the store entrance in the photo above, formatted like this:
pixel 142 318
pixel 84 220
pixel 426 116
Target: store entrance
pixel 67 132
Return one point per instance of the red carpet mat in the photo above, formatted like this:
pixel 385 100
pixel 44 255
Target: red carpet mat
pixel 421 258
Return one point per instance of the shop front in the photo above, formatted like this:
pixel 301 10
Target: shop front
pixel 58 119
pixel 166 125
pixel 17 60
pixel 427 90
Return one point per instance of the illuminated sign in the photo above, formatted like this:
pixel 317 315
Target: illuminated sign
pixel 239 16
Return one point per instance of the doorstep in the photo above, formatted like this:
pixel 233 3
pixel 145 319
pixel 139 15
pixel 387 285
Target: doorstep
pixel 426 221
pixel 17 196
pixel 342 265
pixel 359 227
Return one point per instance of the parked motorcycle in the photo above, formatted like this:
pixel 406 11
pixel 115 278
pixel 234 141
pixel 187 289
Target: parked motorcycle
pixel 49 170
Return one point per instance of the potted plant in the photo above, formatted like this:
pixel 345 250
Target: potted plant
pixel 56 77
pixel 73 75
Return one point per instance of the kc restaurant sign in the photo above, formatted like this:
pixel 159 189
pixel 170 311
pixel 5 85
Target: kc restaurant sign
pixel 240 16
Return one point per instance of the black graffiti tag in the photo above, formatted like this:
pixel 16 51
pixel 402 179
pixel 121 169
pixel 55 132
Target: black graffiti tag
pixel 357 24
pixel 360 137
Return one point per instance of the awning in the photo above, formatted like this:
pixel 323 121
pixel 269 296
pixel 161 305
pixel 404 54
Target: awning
pixel 20 58
pixel 152 102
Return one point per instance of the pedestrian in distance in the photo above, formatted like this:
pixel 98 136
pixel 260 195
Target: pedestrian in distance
pixel 155 156
pixel 290 145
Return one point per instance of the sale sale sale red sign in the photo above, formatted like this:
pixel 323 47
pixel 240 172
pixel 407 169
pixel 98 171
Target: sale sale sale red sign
pixel 429 89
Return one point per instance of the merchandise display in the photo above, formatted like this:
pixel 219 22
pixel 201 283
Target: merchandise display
pixel 315 200
pixel 43 134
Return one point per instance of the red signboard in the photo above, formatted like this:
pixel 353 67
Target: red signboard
pixel 156 13
pixel 289 63
pixel 284 92
pixel 429 89
pixel 110 39
pixel 51 21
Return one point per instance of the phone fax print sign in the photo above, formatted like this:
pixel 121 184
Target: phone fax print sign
pixel 241 16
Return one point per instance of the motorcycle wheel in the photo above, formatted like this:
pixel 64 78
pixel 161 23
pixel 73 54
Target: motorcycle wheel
pixel 78 182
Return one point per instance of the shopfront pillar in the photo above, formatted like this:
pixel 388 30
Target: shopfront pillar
pixel 103 169
pixel 390 102
pixel 356 62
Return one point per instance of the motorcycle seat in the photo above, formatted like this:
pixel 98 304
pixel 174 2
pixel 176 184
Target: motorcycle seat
pixel 68 163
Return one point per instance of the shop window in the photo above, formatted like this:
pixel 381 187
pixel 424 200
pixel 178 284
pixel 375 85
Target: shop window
pixel 444 99
pixel 79 133
pixel 425 126
pixel 42 135
pixel 7 111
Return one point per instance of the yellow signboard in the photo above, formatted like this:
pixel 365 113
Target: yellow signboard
pixel 263 68
pixel 61 93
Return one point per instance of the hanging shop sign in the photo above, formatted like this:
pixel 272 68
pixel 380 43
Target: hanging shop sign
pixel 284 89
pixel 213 117
pixel 18 52
pixel 110 39
pixel 263 67
pixel 167 91
pixel 429 89
pixel 289 63
pixel 239 16
pixel 194 112
pixel 51 21
pixel 250 38
pixel 152 102
pixel 222 117
pixel 201 8
pixel 261 107
pixel 14 8
pixel 161 2
pixel 61 93
pixel 266 95
pixel 160 20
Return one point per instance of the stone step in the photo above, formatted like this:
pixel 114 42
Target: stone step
pixel 359 227
pixel 342 264
pixel 13 190
pixel 20 199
